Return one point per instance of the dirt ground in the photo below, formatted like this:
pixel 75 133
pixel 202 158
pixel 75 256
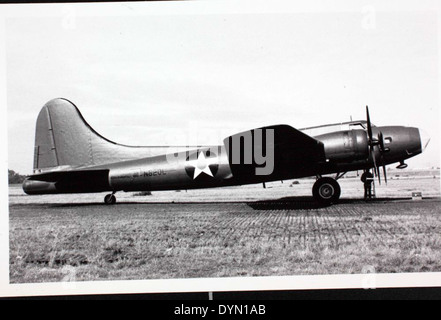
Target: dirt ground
pixel 232 232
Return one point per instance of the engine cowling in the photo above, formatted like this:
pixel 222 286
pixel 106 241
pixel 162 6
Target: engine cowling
pixel 345 146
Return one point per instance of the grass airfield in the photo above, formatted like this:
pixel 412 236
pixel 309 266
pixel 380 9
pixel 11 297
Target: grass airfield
pixel 230 232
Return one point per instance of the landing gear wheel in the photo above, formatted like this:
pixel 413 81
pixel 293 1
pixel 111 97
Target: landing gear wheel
pixel 326 191
pixel 110 199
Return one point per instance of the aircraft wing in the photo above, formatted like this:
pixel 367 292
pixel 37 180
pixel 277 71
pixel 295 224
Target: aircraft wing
pixel 294 153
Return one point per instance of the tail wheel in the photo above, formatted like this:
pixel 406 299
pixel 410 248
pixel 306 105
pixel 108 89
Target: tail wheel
pixel 326 191
pixel 110 199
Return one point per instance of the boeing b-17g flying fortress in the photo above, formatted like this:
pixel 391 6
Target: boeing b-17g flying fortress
pixel 71 157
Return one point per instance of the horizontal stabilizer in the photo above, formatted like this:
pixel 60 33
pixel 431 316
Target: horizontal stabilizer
pixel 56 176
pixel 69 181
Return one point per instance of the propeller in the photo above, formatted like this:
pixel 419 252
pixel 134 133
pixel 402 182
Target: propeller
pixel 383 149
pixel 378 141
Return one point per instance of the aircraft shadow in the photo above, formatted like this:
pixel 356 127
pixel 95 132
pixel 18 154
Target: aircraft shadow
pixel 308 203
pixel 288 203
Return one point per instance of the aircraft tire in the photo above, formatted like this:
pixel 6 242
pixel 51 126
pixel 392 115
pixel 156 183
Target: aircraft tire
pixel 326 191
pixel 110 199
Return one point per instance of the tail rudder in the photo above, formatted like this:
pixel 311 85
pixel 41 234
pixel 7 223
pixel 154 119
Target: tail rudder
pixel 63 138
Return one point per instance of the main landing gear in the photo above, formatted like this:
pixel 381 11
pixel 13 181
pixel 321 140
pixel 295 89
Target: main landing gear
pixel 326 191
pixel 110 198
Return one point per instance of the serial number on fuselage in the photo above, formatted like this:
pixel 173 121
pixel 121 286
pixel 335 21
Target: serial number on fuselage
pixel 152 173
pixel 137 174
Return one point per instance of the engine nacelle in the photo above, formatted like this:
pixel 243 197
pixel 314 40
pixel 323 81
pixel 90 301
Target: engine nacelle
pixel 345 146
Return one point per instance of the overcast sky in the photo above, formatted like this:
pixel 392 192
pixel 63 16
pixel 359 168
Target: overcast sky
pixel 156 79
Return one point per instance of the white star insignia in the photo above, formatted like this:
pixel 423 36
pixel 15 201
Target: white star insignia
pixel 202 164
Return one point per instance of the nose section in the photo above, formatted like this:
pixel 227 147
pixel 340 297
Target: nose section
pixel 403 142
pixel 425 139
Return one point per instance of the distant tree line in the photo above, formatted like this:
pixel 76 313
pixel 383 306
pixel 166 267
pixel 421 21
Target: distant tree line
pixel 14 177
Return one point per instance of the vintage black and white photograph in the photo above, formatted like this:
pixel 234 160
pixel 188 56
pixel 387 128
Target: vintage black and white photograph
pixel 209 145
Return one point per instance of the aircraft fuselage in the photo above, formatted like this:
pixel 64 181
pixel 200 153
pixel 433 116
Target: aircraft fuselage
pixel 71 157
pixel 192 169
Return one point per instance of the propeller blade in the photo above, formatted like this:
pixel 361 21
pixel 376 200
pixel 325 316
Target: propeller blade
pixel 383 147
pixel 378 175
pixel 372 144
pixel 369 125
pixel 376 171
pixel 381 141
pixel 384 167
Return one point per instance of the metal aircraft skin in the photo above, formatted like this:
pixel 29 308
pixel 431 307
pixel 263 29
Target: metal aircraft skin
pixel 71 157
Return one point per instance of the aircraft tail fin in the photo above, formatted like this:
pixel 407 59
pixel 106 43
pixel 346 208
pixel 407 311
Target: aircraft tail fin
pixel 64 139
